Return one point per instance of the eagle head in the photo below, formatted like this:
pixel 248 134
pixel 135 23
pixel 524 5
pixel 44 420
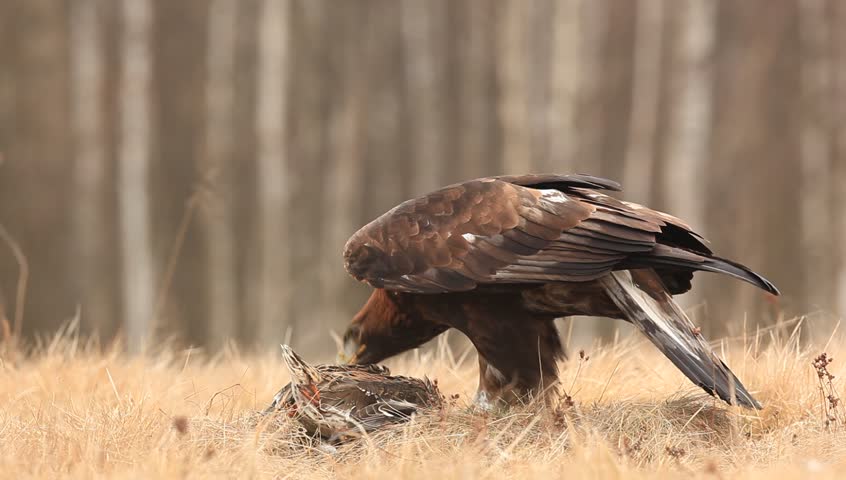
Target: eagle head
pixel 388 324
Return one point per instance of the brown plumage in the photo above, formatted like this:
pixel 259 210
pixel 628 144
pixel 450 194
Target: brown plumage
pixel 500 258
pixel 339 402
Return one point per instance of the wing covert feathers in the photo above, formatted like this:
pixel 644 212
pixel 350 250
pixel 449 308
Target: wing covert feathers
pixel 460 236
pixel 526 229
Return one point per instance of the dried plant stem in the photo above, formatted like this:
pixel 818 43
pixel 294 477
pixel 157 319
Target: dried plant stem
pixel 23 279
pixel 175 250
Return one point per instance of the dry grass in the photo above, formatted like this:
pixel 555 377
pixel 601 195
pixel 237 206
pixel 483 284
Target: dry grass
pixel 71 411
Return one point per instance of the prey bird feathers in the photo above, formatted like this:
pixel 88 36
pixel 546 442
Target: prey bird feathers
pixel 338 402
pixel 500 258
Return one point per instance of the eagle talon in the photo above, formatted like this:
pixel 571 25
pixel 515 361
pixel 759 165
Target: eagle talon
pixel 482 401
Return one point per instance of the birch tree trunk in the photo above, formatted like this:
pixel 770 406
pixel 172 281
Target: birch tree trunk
pixel 347 118
pixel 689 132
pixel 756 144
pixel 818 240
pixel 244 177
pixel 274 276
pixel 384 128
pixel 133 168
pixel 616 77
pixel 837 19
pixel 566 74
pixel 681 123
pixel 423 33
pixel 7 78
pixel 310 100
pixel 639 161
pixel 782 113
pixel 34 183
pixel 591 18
pixel 587 44
pixel 218 168
pixel 475 69
pixel 513 24
pixel 538 68
pixel 91 221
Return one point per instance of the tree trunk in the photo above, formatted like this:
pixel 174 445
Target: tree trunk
pixel 818 238
pixel 274 277
pixel 7 83
pixel 423 34
pixel 133 168
pixel 347 118
pixel 687 149
pixel 91 220
pixel 837 19
pixel 615 75
pixel 217 168
pixel 639 160
pixel 755 157
pixel 589 91
pixel 566 75
pixel 383 135
pixel 477 143
pixel 513 86
pixel 243 173
pixel 538 68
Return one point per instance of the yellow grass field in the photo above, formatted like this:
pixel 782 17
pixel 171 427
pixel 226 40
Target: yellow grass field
pixel 70 411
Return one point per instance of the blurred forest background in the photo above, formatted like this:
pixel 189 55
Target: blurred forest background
pixel 194 167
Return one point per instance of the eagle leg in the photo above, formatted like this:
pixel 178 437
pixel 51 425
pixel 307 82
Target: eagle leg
pixel 519 363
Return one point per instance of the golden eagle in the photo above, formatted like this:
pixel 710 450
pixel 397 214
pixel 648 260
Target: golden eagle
pixel 500 258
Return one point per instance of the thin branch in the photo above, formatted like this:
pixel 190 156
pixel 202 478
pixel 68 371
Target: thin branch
pixel 175 250
pixel 23 279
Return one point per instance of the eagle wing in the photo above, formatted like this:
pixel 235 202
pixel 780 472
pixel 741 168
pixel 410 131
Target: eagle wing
pixel 524 229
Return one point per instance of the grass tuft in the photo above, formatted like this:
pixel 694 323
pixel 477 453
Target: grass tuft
pixel 71 409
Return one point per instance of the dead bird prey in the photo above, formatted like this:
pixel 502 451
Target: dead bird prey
pixel 339 402
pixel 501 258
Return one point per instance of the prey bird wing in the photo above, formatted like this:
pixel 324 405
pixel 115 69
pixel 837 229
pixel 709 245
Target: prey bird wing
pixel 642 297
pixel 342 401
pixel 285 396
pixel 529 229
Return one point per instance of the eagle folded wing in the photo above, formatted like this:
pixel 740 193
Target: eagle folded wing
pixel 526 229
pixel 460 236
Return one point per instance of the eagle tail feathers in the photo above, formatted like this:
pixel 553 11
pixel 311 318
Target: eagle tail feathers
pixel 667 256
pixel 722 265
pixel 644 300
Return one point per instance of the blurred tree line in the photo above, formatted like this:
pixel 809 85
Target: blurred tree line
pixel 194 167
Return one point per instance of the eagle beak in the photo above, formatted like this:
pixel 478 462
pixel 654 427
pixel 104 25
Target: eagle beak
pixel 351 352
pixel 361 349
